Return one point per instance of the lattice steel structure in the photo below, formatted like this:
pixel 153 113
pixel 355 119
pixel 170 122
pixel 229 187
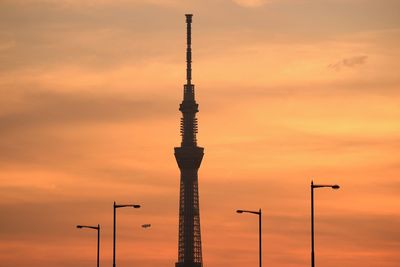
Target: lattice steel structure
pixel 189 157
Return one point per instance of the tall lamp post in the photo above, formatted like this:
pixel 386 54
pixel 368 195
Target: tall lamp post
pixel 312 216
pixel 259 227
pixel 98 238
pixel 135 206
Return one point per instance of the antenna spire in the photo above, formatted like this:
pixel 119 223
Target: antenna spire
pixel 189 48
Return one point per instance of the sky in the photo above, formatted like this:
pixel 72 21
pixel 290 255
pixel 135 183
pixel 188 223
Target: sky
pixel 288 91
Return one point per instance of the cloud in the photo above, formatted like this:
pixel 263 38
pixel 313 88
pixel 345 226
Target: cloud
pixel 91 3
pixel 52 128
pixel 50 108
pixel 250 3
pixel 350 62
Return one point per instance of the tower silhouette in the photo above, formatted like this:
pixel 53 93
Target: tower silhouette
pixel 188 157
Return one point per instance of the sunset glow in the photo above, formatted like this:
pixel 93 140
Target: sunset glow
pixel 288 91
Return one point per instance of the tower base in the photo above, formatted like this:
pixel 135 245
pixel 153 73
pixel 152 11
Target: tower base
pixel 188 264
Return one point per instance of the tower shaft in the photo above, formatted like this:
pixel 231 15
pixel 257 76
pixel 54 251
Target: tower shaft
pixel 189 157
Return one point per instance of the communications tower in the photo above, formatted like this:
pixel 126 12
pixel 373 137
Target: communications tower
pixel 188 157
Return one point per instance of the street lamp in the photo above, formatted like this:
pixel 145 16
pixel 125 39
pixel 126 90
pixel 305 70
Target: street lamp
pixel 259 227
pixel 135 206
pixel 98 238
pixel 335 186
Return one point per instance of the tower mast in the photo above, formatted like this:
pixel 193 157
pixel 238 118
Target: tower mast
pixel 189 48
pixel 189 157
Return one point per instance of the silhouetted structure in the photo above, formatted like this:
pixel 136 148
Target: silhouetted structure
pixel 117 206
pixel 98 239
pixel 189 157
pixel 313 186
pixel 259 231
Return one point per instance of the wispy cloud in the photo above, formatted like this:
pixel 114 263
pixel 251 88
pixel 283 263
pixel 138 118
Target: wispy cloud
pixel 349 62
pixel 251 3
pixel 50 108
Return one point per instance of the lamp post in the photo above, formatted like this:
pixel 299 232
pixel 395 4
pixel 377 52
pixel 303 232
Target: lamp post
pixel 135 206
pixel 98 239
pixel 312 216
pixel 259 227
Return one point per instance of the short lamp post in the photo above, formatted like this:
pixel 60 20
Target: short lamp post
pixel 98 239
pixel 312 216
pixel 135 206
pixel 259 227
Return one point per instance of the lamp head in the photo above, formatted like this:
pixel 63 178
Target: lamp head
pixel 239 211
pixel 79 226
pixel 135 206
pixel 335 186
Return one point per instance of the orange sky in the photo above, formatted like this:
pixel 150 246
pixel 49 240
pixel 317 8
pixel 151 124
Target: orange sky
pixel 288 90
